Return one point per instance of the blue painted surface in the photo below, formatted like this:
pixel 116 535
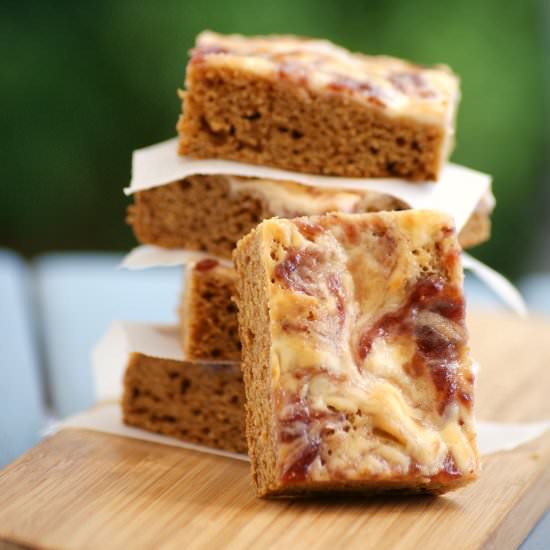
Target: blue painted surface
pixel 78 296
pixel 21 401
pixel 539 538
pixel 536 291
pixel 479 296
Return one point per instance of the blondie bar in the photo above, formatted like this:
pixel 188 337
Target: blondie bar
pixel 212 213
pixel 310 106
pixel 208 315
pixel 201 403
pixel 355 357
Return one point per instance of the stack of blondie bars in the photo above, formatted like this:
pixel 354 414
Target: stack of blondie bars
pixel 340 304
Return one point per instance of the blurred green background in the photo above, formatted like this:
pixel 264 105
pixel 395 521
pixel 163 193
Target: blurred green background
pixel 85 83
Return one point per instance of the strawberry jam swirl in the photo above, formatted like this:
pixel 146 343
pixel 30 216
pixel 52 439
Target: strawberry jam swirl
pixel 206 265
pixel 436 351
pixel 305 428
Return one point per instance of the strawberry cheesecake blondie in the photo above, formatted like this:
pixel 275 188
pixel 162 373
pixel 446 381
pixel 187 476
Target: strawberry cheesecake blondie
pixel 311 106
pixel 355 355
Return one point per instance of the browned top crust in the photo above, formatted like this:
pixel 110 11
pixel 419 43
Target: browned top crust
pixel 395 86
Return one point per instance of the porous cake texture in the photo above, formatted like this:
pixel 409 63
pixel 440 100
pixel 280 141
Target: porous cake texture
pixel 208 315
pixel 200 403
pixel 355 356
pixel 211 213
pixel 310 106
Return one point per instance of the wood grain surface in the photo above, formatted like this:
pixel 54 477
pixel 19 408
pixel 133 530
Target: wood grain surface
pixel 82 489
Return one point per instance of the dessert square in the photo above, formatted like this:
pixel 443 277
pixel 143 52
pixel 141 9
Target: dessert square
pixel 355 356
pixel 310 106
pixel 208 314
pixel 212 213
pixel 201 403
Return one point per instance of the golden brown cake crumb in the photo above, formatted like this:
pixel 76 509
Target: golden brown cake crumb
pixel 211 213
pixel 307 105
pixel 355 357
pixel 208 315
pixel 201 403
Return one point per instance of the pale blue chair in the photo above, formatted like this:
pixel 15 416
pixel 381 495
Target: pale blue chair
pixel 78 295
pixel 536 291
pixel 21 399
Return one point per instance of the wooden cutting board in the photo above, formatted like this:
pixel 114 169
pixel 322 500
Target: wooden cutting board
pixel 83 489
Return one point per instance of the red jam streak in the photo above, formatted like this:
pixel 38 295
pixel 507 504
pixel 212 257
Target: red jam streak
pixel 299 270
pixel 306 425
pixel 199 53
pixel 296 424
pixel 434 350
pixel 292 70
pixel 412 84
pixel 309 229
pixel 206 265
pixel 298 471
pixel 449 471
pixel 465 397
pixel 352 232
pixel 302 271
pixel 334 284
pixel 346 84
pixel 289 326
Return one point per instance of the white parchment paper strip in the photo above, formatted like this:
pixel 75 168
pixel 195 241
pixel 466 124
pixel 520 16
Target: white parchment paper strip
pixel 148 256
pixel 457 192
pixel 110 356
pixel 107 418
pixel 493 437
